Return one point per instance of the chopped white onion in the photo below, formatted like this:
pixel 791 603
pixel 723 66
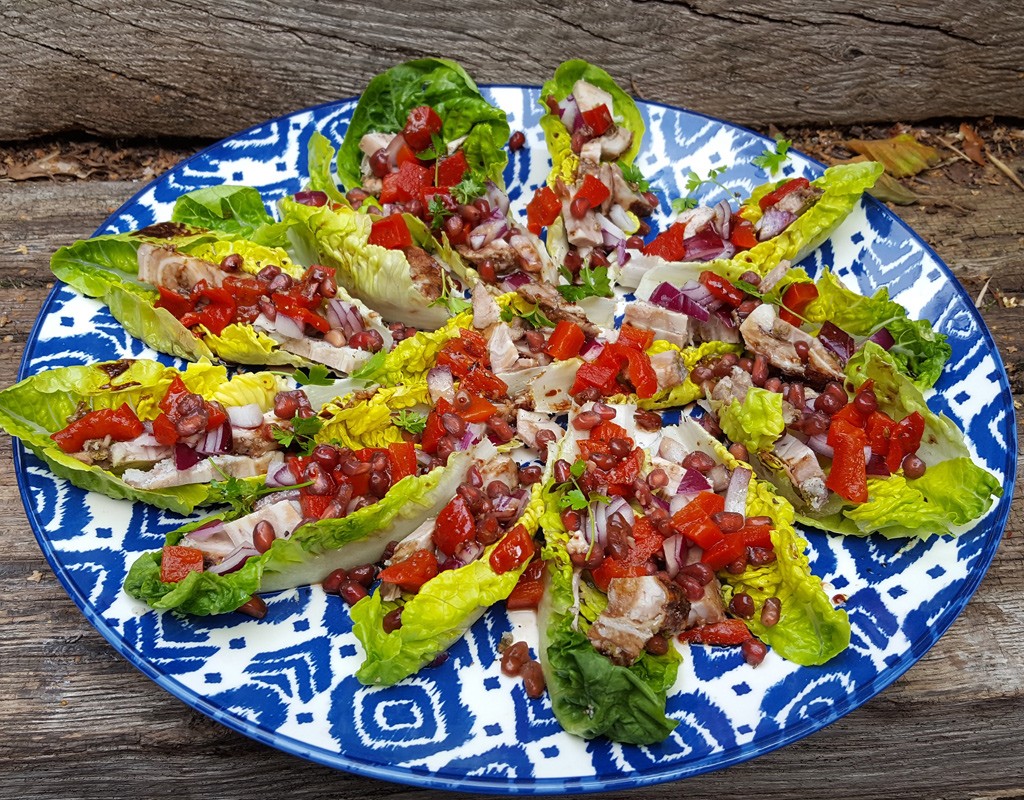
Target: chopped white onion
pixel 248 416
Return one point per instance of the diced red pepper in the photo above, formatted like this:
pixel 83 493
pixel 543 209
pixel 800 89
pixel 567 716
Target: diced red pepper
pixel 703 532
pixel 795 300
pixel 542 210
pixel 593 191
pixel 848 475
pixel 314 505
pixel 480 380
pixel 879 429
pixel 177 304
pixel 434 430
pixel 406 184
pixel 177 561
pixel 727 632
pixel 245 289
pixel 741 233
pixel 391 232
pixel 120 424
pixel 628 469
pixel 637 338
pixel 850 414
pixel 451 170
pixel 405 154
pixel 598 119
pixel 474 344
pixel 410 575
pixel 703 505
pixel 525 595
pixel 776 195
pixel 421 125
pixel 566 341
pixel 722 288
pixel 599 376
pixel 288 305
pixel 757 536
pixel 176 388
pixel 479 409
pixel 612 568
pixel 164 430
pixel 731 548
pixel 402 456
pixel 647 541
pixel 668 244
pixel 607 430
pixel 213 307
pixel 515 549
pixel 455 525
pixel 638 371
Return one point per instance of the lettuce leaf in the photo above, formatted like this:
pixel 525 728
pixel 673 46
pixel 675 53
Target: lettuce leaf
pixel 843 186
pixel 590 695
pixel 235 210
pixel 311 553
pixel 41 404
pixel 356 421
pixel 558 138
pixel 756 422
pixel 919 349
pixel 447 88
pixel 686 392
pixel 321 158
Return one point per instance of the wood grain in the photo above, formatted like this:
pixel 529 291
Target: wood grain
pixel 81 722
pixel 149 69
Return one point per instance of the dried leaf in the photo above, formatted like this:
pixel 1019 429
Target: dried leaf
pixel 973 145
pixel 48 166
pixel 889 190
pixel 901 155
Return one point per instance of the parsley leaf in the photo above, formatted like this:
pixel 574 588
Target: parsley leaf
pixel 411 421
pixel 300 436
pixel 695 182
pixel 681 204
pixel 594 283
pixel 437 149
pixel 241 494
pixel 371 369
pixel 455 303
pixel 770 160
pixel 468 189
pixel 318 375
pixel 749 288
pixel 574 497
pixel 535 317
pixel 632 174
pixel 438 211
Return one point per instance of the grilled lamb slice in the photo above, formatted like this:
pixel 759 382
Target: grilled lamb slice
pixel 425 271
pixel 801 466
pixel 344 360
pixel 165 266
pixel 624 196
pixel 799 200
pixel 502 350
pixel 775 339
pixel 555 307
pixel 637 609
pixel 141 450
pixel 614 142
pixel 165 475
pixel 486 311
pixel 372 142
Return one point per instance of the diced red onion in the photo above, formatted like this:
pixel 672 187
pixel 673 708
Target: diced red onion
pixel 248 416
pixel 599 511
pixel 708 245
pixel 773 222
pixel 486 232
pixel 288 327
pixel 838 341
pixel 440 383
pixel 497 198
pixel 819 444
pixel 514 280
pixel 725 317
pixel 621 506
pixel 723 219
pixel 668 296
pixel 216 441
pixel 680 501
pixel 475 432
pixel 675 554
pixel 570 113
pixel 234 560
pixel 208 531
pixel 280 475
pixel 505 502
pixel 719 477
pixel 469 551
pixel 693 481
pixel 591 350
pixel 346 316
pixel 883 338
pixel 185 457
pixel 736 494
pixel 423 458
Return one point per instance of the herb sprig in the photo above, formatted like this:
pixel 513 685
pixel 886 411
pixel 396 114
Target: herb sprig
pixel 595 282
pixel 534 317
pixel 575 498
pixel 410 421
pixel 300 436
pixel 773 159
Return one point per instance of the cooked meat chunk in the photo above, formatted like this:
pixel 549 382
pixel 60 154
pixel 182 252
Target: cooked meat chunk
pixel 555 307
pixel 799 200
pixel 502 349
pixel 165 475
pixel 425 271
pixel 774 338
pixel 165 266
pixel 486 311
pixel 637 609
pixel 614 142
pixel 801 466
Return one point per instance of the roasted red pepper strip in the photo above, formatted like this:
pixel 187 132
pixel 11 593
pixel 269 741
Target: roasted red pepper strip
pixel 668 244
pixel 409 575
pixel 795 300
pixel 726 632
pixel 593 191
pixel 566 341
pixel 391 232
pixel 451 169
pixel 741 233
pixel 848 476
pixel 402 456
pixel 599 119
pixel 612 568
pixel 637 338
pixel 479 409
pixel 515 549
pixel 120 424
pixel 455 525
pixel 542 210
pixel 638 369
pixel 906 439
pixel 722 288
pixel 775 196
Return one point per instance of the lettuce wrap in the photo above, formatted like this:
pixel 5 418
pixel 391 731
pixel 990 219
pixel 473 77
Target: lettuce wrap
pixel 41 405
pixel 307 556
pixel 450 91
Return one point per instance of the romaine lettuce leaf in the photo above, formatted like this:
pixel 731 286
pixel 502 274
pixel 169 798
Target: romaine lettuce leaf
pixel 756 422
pixel 447 88
pixel 843 186
pixel 41 405
pixel 357 421
pixel 625 112
pixel 321 159
pixel 919 349
pixel 235 210
pixel 311 553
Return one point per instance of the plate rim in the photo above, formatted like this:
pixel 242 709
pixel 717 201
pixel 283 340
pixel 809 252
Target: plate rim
pixel 538 786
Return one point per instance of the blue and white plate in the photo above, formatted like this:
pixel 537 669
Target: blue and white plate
pixel 288 680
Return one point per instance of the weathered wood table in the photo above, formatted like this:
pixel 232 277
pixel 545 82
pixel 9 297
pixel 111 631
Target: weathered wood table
pixel 78 721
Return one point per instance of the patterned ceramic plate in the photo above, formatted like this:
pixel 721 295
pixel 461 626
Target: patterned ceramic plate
pixel 288 680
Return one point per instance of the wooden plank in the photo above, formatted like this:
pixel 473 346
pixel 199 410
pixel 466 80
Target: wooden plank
pixel 81 722
pixel 148 68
